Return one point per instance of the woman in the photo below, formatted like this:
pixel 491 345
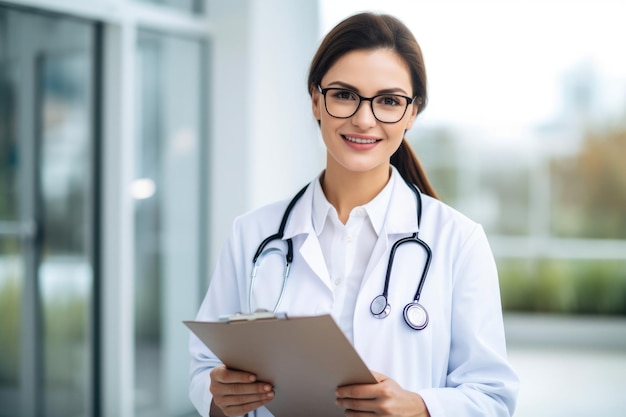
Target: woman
pixel 367 84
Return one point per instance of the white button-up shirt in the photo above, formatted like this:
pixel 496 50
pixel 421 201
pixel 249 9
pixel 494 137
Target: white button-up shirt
pixel 347 248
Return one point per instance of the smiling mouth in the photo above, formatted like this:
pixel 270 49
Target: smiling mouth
pixel 360 141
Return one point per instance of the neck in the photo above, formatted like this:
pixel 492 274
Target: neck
pixel 346 190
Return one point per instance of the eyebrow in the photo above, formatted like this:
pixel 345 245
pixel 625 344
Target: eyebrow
pixel 353 88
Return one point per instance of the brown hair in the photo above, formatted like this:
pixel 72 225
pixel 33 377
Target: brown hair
pixel 372 31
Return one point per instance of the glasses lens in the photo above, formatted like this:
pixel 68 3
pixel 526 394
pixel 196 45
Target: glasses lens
pixel 341 103
pixel 387 108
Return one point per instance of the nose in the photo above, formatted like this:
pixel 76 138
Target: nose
pixel 364 116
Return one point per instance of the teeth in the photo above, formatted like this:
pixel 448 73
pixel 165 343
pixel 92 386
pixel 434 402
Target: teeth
pixel 358 140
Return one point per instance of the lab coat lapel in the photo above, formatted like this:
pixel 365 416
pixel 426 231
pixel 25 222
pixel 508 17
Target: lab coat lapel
pixel 300 223
pixel 312 254
pixel 380 248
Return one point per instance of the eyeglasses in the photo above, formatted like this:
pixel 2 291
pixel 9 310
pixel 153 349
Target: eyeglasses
pixel 343 103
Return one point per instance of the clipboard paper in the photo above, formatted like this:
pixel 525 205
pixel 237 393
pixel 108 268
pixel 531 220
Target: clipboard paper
pixel 304 358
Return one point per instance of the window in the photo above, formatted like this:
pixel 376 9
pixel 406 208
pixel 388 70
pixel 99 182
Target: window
pixel 168 220
pixel 190 6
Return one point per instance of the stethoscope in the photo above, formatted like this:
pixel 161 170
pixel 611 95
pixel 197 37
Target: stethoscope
pixel 415 314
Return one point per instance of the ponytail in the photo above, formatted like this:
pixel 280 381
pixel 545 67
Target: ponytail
pixel 405 160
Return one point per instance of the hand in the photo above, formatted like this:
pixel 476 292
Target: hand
pixel 235 393
pixel 386 398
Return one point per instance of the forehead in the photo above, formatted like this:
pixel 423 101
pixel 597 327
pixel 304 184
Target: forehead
pixel 370 71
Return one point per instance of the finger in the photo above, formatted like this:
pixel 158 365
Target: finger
pixel 354 406
pixel 363 391
pixel 241 409
pixel 354 413
pixel 249 388
pixel 379 377
pixel 241 404
pixel 230 376
pixel 240 399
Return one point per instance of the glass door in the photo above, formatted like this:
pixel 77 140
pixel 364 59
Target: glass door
pixel 47 222
pixel 15 238
pixel 168 191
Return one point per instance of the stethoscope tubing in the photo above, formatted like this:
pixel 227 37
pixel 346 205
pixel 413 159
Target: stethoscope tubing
pixel 414 313
pixel 261 252
pixel 281 230
pixel 415 239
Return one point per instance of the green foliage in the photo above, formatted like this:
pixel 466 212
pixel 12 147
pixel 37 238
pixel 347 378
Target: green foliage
pixel 590 188
pixel 600 288
pixel 564 286
pixel 10 294
pixel 65 334
pixel 64 337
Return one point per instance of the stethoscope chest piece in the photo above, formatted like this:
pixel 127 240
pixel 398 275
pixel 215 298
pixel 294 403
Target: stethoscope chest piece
pixel 415 316
pixel 379 307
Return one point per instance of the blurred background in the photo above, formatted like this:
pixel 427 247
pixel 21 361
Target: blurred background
pixel 132 132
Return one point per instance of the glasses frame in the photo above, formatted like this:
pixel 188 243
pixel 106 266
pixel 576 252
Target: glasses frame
pixel 323 92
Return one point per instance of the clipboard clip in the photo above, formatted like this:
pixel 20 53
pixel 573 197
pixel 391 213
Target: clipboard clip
pixel 257 315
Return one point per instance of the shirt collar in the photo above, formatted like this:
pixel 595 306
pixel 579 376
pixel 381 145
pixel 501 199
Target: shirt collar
pixel 321 206
pixel 376 208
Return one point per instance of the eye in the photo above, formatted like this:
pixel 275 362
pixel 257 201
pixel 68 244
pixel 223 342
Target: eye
pixel 391 100
pixel 344 95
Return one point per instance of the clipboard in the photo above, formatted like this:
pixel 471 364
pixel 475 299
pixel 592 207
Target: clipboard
pixel 304 358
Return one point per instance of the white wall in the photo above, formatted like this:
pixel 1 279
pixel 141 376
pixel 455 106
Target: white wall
pixel 265 143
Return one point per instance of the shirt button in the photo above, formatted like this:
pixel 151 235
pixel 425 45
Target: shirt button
pixel 337 281
pixel 359 212
pixel 349 238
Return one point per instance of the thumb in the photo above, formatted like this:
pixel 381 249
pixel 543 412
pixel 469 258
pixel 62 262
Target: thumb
pixel 379 377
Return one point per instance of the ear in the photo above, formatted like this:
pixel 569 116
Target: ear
pixel 413 109
pixel 317 102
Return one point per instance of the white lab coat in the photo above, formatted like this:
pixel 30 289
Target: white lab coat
pixel 457 364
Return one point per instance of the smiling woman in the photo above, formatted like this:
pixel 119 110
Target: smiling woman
pixel 349 136
pixel 368 84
